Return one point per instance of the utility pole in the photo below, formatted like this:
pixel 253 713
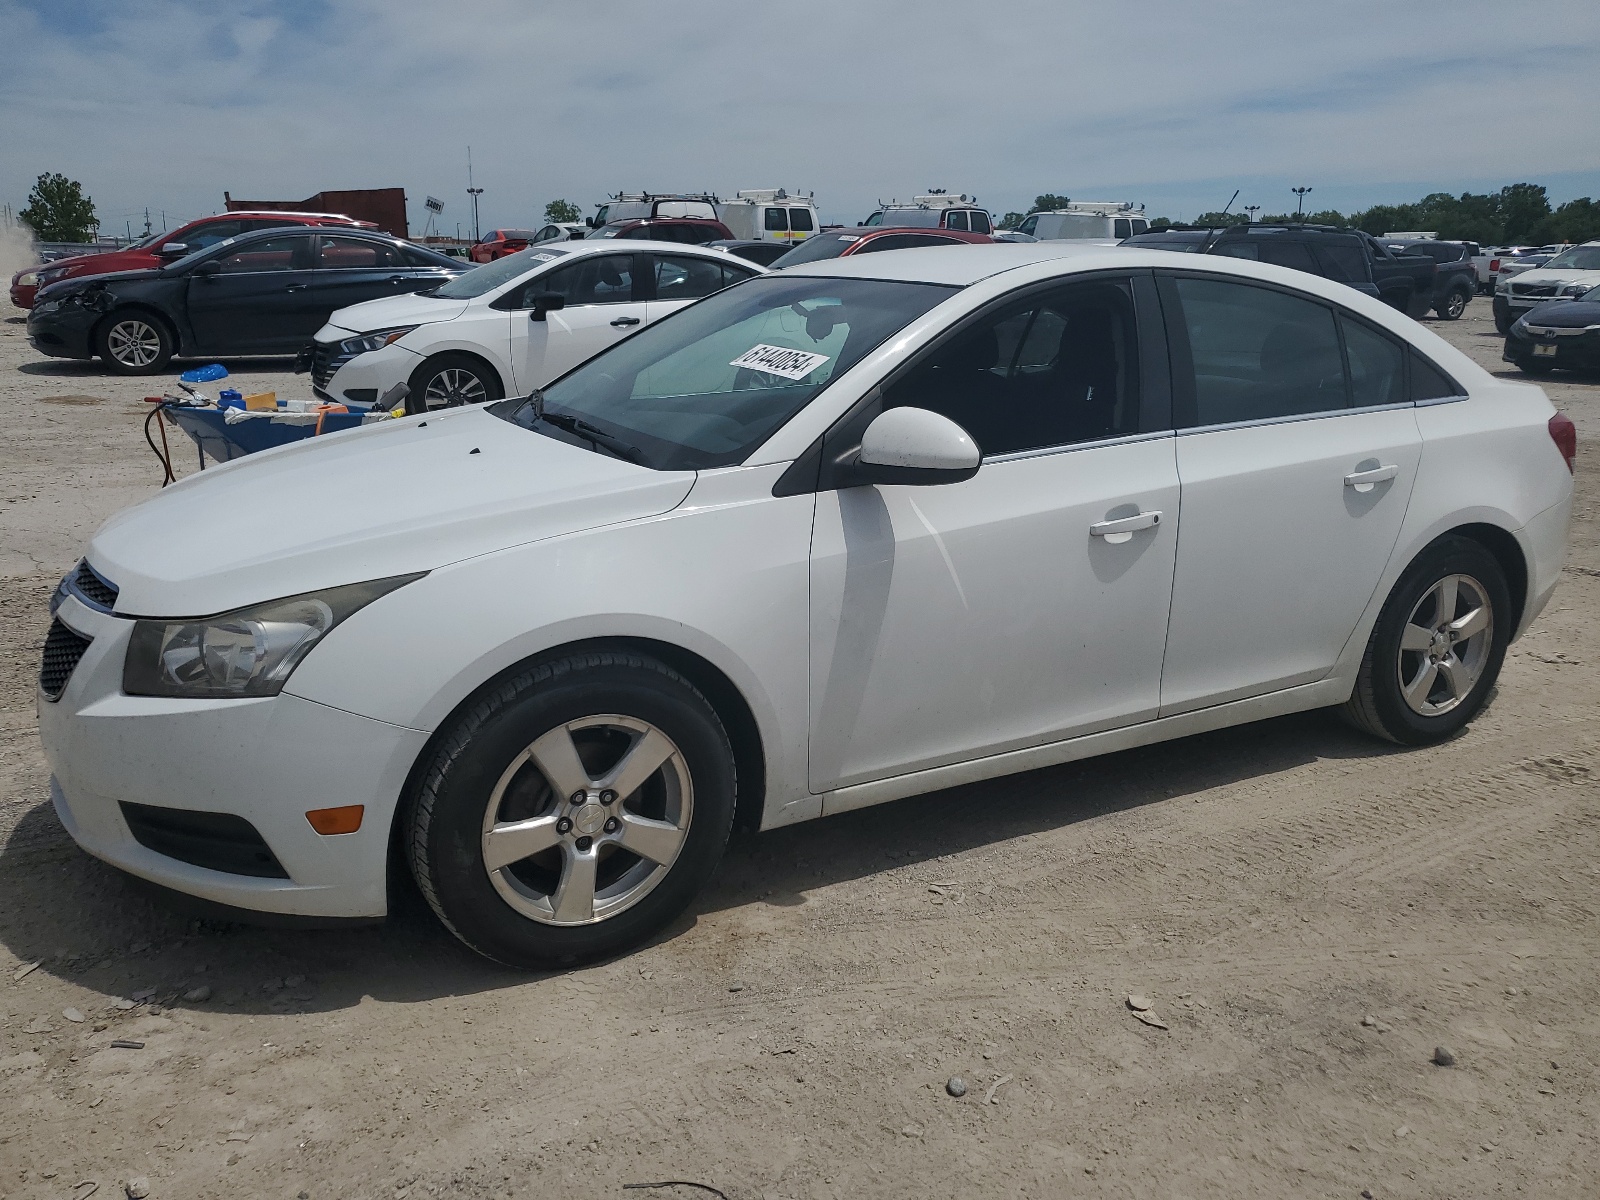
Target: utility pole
pixel 163 220
pixel 1300 204
pixel 147 220
pixel 1252 210
pixel 474 192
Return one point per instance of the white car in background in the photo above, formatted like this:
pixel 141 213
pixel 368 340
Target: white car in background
pixel 849 532
pixel 512 325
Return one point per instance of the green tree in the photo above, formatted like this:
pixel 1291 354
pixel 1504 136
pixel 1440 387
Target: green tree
pixel 1221 220
pixel 558 211
pixel 58 211
pixel 1049 202
pixel 1011 220
pixel 1522 206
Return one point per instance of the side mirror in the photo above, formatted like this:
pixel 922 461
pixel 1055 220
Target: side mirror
pixel 172 251
pixel 210 267
pixel 915 446
pixel 546 302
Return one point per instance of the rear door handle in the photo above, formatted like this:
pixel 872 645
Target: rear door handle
pixel 294 287
pixel 624 322
pixel 1125 527
pixel 1362 479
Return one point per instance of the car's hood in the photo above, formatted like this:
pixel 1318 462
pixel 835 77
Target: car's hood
pixel 1565 314
pixel 389 311
pixel 100 263
pixel 1558 275
pixel 389 499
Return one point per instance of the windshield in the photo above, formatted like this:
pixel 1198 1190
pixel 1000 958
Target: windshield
pixel 1579 258
pixel 482 280
pixel 707 385
pixel 814 249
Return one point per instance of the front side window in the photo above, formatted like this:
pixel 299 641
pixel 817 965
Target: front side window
pixel 800 220
pixel 1377 366
pixel 217 231
pixel 1579 258
pixel 1121 228
pixel 594 279
pixel 875 219
pixel 686 278
pixel 347 252
pixel 776 220
pixel 980 223
pixel 705 386
pixel 1029 225
pixel 1054 370
pixel 1257 354
pixel 269 254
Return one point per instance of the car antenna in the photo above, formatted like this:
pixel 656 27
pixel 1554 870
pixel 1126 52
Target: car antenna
pixel 1229 204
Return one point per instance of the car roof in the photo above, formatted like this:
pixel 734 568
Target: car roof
pixel 277 212
pixel 936 264
pixel 613 246
pixel 356 231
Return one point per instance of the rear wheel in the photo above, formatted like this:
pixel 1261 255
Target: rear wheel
pixel 451 380
pixel 573 811
pixel 1436 649
pixel 133 343
pixel 1454 304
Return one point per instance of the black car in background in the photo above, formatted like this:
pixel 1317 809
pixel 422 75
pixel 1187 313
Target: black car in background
pixel 1456 280
pixel 1343 255
pixel 265 292
pixel 763 253
pixel 1560 333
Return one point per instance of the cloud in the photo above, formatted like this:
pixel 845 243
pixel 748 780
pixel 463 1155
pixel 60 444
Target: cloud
pixel 171 102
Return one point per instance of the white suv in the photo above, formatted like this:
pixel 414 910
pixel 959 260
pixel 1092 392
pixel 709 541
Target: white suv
pixel 1088 220
pixel 511 325
pixel 1566 276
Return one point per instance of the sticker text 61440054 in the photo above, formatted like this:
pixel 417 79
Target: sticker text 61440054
pixel 780 360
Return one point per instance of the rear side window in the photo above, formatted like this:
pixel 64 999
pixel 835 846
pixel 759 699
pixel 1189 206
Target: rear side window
pixel 1052 370
pixel 980 223
pixel 905 241
pixel 343 253
pixel 292 253
pixel 686 277
pixel 800 218
pixel 1344 261
pixel 955 220
pixel 1377 366
pixel 1121 228
pixel 1430 383
pixel 1257 354
pixel 776 220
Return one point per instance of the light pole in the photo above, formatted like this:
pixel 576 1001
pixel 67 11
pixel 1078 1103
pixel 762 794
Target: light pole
pixel 474 192
pixel 1252 209
pixel 1300 204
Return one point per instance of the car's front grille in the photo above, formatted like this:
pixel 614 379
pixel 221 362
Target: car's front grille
pixel 216 841
pixel 93 587
pixel 326 359
pixel 63 648
pixel 1533 289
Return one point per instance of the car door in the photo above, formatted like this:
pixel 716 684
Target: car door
pixel 604 303
pixel 351 270
pixel 1028 603
pixel 1297 450
pixel 254 301
pixel 680 279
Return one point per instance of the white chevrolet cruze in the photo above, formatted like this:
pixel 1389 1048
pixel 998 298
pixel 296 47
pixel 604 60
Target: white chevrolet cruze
pixel 830 537
pixel 511 325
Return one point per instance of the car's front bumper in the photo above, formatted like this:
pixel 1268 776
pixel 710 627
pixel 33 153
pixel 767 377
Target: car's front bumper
pixel 62 333
pixel 267 760
pixel 1571 349
pixel 366 377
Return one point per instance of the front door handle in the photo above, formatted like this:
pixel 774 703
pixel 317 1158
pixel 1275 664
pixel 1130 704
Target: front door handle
pixel 1124 528
pixel 624 322
pixel 1365 479
pixel 295 287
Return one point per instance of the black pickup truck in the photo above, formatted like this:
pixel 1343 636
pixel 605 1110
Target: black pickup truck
pixel 1457 279
pixel 1343 255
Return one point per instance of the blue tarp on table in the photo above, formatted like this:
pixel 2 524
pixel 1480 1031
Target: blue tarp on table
pixel 224 440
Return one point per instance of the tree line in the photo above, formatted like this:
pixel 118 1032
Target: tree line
pixel 1518 214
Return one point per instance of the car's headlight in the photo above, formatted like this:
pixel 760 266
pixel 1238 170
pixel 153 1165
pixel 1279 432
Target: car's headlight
pixel 1574 290
pixel 1520 324
pixel 376 340
pixel 28 279
pixel 51 276
pixel 48 306
pixel 249 652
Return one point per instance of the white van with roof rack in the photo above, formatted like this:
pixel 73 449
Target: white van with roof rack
pixel 936 210
pixel 770 215
pixel 643 206
pixel 1087 220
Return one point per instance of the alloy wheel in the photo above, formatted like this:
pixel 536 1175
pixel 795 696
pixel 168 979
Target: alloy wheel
pixel 454 386
pixel 1456 305
pixel 587 820
pixel 133 343
pixel 1445 645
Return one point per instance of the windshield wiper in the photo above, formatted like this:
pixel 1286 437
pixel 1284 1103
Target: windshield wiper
pixel 576 425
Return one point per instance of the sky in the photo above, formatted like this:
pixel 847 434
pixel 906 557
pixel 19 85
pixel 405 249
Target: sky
pixel 169 103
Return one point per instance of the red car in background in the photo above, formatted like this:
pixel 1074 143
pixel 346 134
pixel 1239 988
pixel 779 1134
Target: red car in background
pixel 864 239
pixel 692 231
pixel 161 248
pixel 498 243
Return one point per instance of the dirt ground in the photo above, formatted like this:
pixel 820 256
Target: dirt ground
pixel 1310 913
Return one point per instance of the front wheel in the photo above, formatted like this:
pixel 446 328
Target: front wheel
pixel 573 811
pixel 133 343
pixel 451 380
pixel 1436 649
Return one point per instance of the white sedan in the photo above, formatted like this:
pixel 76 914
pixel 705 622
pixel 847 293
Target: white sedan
pixel 511 325
pixel 837 535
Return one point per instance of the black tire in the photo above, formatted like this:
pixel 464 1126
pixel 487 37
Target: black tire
pixel 1454 304
pixel 1379 705
pixel 455 379
pixel 1503 320
pixel 472 767
pixel 132 341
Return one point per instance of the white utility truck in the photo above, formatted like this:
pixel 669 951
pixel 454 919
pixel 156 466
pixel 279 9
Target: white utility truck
pixel 770 215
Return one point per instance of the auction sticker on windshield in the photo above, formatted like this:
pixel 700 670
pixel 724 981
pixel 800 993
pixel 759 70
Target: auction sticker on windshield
pixel 780 360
